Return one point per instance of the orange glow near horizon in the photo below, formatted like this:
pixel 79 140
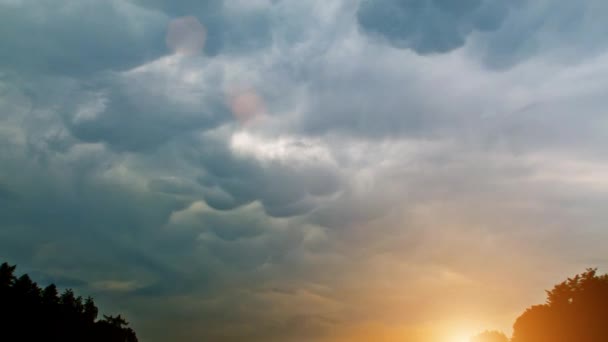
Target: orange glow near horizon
pixel 429 332
pixel 460 337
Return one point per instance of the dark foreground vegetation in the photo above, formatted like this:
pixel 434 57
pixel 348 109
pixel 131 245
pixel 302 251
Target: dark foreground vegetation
pixel 576 310
pixel 30 313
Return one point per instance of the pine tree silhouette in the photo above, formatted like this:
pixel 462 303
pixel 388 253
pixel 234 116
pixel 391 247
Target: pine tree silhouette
pixel 29 313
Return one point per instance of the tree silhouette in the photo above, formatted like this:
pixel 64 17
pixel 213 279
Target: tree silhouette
pixel 50 295
pixel 28 313
pixel 575 310
pixel 7 277
pixel 490 336
pixel 90 310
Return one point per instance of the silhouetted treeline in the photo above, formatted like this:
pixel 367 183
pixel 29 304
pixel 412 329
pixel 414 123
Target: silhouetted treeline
pixel 576 310
pixel 29 313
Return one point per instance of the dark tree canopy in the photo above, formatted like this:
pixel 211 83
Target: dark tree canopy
pixel 576 310
pixel 29 313
pixel 490 336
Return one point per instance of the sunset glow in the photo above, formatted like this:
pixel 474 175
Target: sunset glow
pixel 463 337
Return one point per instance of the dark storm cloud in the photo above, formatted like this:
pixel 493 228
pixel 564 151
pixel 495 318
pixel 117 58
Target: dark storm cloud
pixel 6 194
pixel 430 26
pixel 228 30
pixel 143 110
pixel 61 38
pixel 62 282
pixel 503 33
pixel 172 185
pixel 284 188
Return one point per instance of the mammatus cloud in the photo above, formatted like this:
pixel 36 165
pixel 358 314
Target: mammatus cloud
pixel 502 33
pixel 271 170
pixel 431 26
pixel 62 38
pixel 147 106
pixel 289 177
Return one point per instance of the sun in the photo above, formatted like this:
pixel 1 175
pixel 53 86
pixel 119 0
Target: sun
pixel 459 337
pixel 459 331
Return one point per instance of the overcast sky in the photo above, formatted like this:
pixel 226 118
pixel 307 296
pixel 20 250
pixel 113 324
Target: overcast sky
pixel 305 170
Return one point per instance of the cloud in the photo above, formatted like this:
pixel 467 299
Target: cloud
pixel 287 177
pixel 231 27
pixel 60 38
pixel 186 35
pixel 430 26
pixel 566 32
pixel 500 33
pixel 115 285
pixel 118 110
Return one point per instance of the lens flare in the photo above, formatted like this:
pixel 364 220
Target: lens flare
pixel 246 105
pixel 186 36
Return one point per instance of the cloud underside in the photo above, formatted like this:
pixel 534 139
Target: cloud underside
pixel 303 171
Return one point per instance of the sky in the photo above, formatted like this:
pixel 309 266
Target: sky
pixel 305 171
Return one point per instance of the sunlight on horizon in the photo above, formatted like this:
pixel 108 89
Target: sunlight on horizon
pixel 459 338
pixel 459 335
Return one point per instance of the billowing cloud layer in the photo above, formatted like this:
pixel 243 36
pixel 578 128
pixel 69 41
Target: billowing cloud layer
pixel 303 170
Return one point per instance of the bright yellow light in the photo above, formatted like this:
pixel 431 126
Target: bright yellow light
pixel 460 338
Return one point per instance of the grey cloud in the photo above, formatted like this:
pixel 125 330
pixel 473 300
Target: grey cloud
pixel 283 189
pixel 568 32
pixel 430 26
pixel 501 33
pixel 62 39
pixel 236 309
pixel 340 103
pixel 43 278
pixel 6 194
pixel 146 109
pixel 174 186
pixel 228 31
pixel 226 225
